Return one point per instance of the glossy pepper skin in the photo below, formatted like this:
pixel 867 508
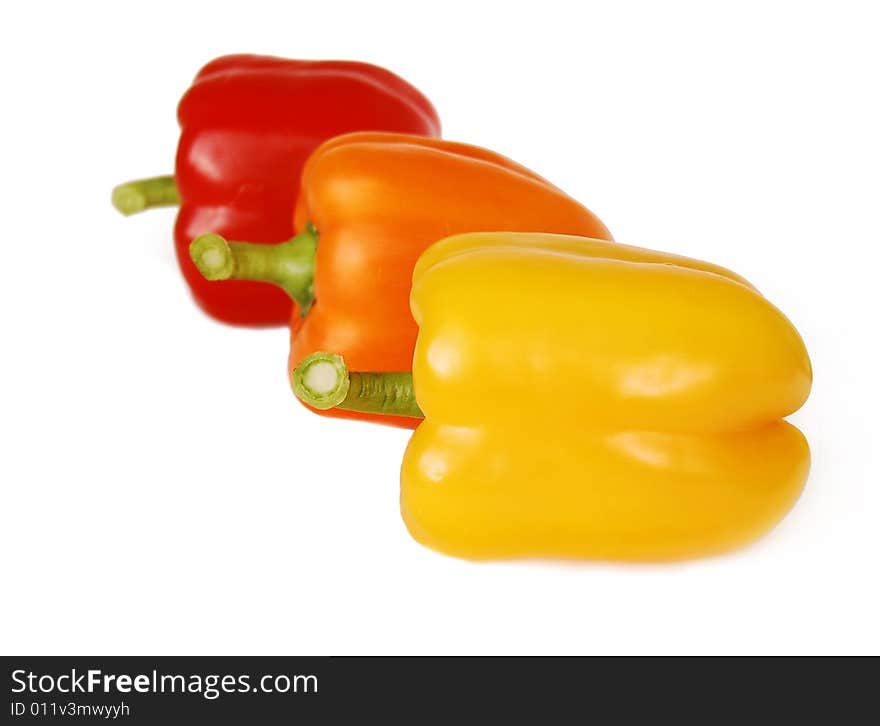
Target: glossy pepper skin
pixel 248 123
pixel 377 201
pixel 633 413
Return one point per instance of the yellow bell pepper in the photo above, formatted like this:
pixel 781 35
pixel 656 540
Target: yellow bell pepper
pixel 584 399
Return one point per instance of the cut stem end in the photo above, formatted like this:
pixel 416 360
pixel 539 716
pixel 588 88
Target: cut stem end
pixel 212 255
pixel 321 380
pixel 128 200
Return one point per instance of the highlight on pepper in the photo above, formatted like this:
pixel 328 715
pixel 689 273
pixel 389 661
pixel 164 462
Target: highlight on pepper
pixel 635 413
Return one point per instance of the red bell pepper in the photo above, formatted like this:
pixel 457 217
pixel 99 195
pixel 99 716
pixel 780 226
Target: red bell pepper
pixel 248 123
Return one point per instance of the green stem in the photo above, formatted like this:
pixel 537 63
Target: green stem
pixel 136 196
pixel 323 381
pixel 290 265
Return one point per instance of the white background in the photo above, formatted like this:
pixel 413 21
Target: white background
pixel 163 492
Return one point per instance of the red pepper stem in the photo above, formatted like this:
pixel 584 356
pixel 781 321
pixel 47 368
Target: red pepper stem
pixel 323 381
pixel 290 264
pixel 136 196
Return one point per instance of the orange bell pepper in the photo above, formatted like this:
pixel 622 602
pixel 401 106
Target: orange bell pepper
pixel 376 201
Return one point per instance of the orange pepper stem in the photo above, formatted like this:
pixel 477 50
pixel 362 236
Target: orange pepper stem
pixel 323 381
pixel 290 264
pixel 136 196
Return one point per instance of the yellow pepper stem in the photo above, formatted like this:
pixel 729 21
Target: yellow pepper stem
pixel 323 381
